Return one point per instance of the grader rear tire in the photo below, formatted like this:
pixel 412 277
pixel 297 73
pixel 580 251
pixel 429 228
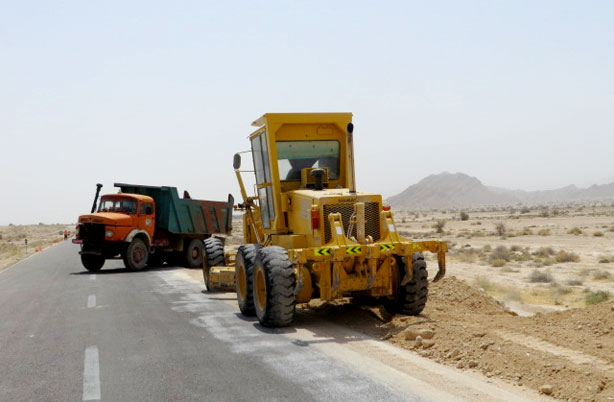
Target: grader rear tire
pixel 214 253
pixel 411 298
pixel 244 273
pixel 273 288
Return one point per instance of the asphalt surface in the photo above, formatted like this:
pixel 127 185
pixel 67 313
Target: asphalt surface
pixel 68 335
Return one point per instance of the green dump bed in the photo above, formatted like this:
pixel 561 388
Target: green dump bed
pixel 185 215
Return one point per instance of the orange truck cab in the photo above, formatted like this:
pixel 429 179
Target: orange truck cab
pixel 128 225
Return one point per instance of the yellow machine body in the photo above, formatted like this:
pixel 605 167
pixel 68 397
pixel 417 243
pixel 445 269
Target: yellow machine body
pixel 341 242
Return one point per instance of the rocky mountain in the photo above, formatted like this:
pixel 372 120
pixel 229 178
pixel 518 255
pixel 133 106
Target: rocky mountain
pixel 458 190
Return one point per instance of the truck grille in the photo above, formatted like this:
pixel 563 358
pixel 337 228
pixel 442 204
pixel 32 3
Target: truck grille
pixel 91 232
pixel 346 211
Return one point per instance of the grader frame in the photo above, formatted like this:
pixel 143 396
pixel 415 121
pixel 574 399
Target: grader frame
pixel 309 234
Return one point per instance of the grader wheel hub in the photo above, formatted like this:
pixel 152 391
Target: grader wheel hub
pixel 260 289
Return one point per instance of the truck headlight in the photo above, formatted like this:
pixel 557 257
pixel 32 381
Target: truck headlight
pixel 109 233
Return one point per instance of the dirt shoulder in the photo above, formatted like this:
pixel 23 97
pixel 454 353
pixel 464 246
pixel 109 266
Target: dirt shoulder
pixel 12 240
pixel 566 354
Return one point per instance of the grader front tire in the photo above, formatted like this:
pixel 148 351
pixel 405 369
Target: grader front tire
pixel 411 298
pixel 244 273
pixel 214 256
pixel 273 288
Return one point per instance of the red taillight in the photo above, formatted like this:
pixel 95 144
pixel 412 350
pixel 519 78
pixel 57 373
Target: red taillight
pixel 315 219
pixel 386 207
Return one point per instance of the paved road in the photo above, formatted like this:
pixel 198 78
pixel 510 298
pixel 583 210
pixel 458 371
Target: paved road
pixel 67 335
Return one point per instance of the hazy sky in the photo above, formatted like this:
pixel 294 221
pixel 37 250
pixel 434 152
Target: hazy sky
pixel 517 93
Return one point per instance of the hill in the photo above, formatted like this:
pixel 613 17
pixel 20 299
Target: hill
pixel 459 190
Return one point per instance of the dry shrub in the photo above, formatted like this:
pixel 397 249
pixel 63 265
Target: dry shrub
pixel 575 282
pixel 601 275
pixel 604 260
pixel 526 231
pixel 439 225
pixel 564 256
pixel 597 297
pixel 501 252
pixel 576 231
pixel 544 232
pixel 544 252
pixel 598 234
pixel 497 262
pixel 464 216
pixel 540 277
pixel 500 228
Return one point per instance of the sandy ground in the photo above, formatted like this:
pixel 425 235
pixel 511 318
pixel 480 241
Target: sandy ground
pixel 12 240
pixel 490 318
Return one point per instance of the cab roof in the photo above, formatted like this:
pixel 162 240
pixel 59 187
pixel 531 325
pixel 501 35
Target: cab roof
pixel 140 197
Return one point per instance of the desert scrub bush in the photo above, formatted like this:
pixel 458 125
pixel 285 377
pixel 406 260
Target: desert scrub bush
pixel 526 231
pixel 501 252
pixel 525 210
pixel 497 262
pixel 574 282
pixel 543 252
pixel 576 231
pixel 597 297
pixel 540 277
pixel 439 225
pixel 601 275
pixel 604 260
pixel 564 256
pixel 484 283
pixel 544 232
pixel 486 248
pixel 598 234
pixel 500 229
pixel 544 213
pixel 464 216
pixel 467 255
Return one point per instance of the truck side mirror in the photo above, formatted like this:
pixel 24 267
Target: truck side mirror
pixel 236 162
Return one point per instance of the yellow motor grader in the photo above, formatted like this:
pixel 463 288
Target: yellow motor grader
pixel 309 234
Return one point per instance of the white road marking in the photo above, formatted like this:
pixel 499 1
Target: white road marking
pixel 92 277
pixel 91 375
pixel 91 301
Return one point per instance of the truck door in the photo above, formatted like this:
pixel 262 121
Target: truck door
pixel 147 218
pixel 262 168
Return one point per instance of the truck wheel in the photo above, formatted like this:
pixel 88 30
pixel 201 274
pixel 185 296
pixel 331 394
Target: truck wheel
pixel 136 255
pixel 214 252
pixel 92 263
pixel 194 254
pixel 411 298
pixel 244 269
pixel 273 288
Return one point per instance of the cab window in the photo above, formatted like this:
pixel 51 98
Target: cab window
pixel 292 156
pixel 146 208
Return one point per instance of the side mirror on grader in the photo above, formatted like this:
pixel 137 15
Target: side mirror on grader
pixel 309 234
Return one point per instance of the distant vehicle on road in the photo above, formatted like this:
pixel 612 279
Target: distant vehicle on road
pixel 148 225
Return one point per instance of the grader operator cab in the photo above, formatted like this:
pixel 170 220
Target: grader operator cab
pixel 309 234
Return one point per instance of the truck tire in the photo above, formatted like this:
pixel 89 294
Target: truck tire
pixel 136 255
pixel 194 253
pixel 273 287
pixel 244 270
pixel 411 298
pixel 92 263
pixel 214 252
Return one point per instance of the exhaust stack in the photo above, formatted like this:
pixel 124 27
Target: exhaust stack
pixel 350 166
pixel 98 187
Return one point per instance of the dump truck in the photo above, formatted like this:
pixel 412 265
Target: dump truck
pixel 308 233
pixel 149 225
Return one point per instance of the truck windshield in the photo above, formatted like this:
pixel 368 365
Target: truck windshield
pixel 292 156
pixel 117 204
